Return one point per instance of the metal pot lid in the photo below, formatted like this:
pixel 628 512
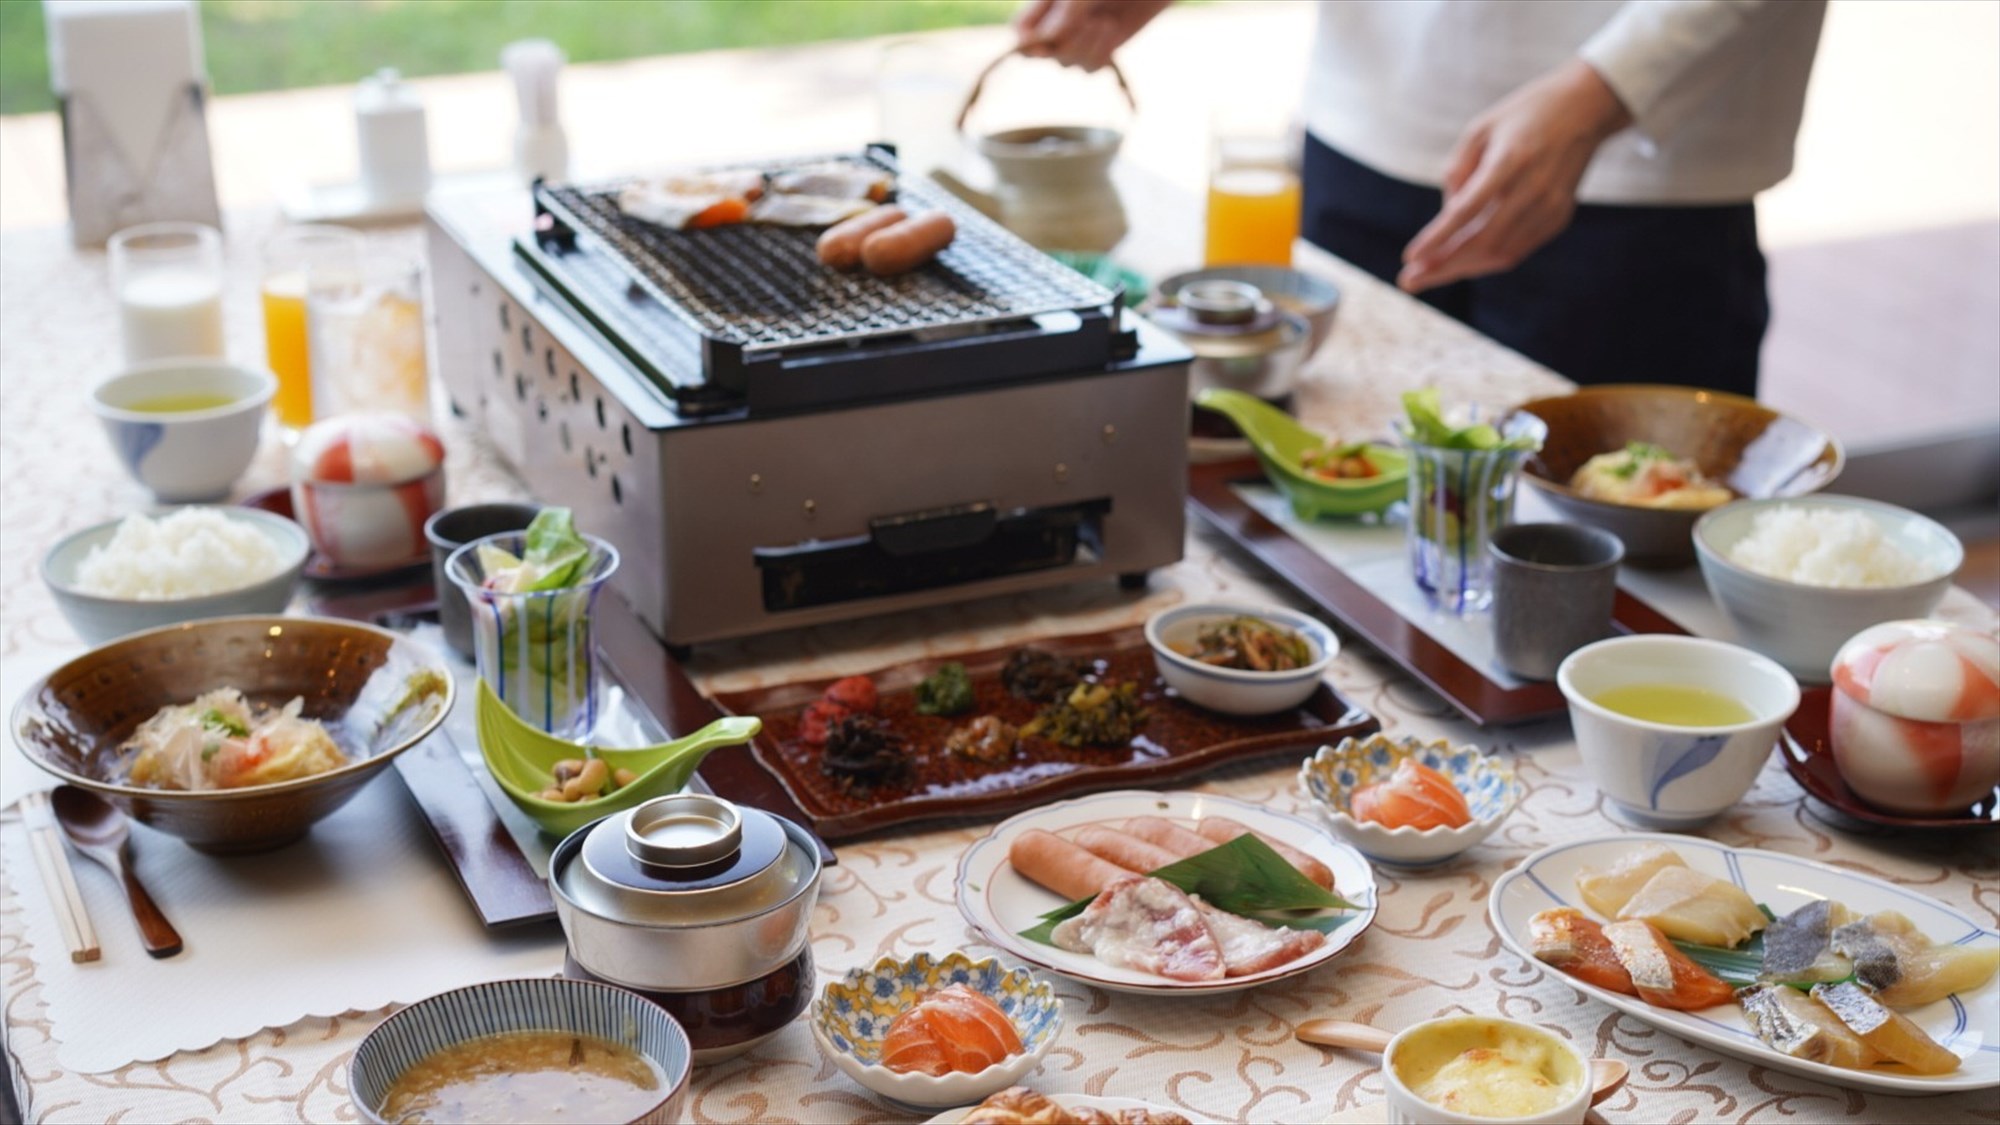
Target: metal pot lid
pixel 685 859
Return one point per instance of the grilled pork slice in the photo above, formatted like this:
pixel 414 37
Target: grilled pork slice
pixel 1792 1023
pixel 1564 938
pixel 1249 946
pixel 1661 974
pixel 1887 1031
pixel 1149 925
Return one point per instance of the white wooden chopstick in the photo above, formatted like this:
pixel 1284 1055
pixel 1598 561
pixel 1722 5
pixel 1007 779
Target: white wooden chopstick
pixel 57 877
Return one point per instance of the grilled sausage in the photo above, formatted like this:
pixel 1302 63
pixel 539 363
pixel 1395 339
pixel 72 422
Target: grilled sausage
pixel 908 244
pixel 840 245
pixel 1164 833
pixel 1124 849
pixel 1061 866
pixel 1222 831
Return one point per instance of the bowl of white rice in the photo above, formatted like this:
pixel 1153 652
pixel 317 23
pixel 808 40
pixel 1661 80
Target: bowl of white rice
pixel 145 571
pixel 1797 577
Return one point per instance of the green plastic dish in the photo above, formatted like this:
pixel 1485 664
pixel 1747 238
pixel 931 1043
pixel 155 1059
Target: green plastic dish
pixel 1101 269
pixel 1281 444
pixel 522 760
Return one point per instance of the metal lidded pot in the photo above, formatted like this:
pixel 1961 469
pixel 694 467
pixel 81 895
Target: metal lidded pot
pixel 1241 342
pixel 700 905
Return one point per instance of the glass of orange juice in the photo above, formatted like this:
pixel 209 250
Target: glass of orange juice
pixel 288 257
pixel 1253 197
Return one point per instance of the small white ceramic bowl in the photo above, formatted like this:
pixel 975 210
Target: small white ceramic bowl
pixel 1415 1052
pixel 98 619
pixel 1235 691
pixel 852 1016
pixel 1802 626
pixel 1663 775
pixel 1331 776
pixel 185 455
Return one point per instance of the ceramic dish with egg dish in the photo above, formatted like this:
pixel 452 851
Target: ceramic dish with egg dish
pixel 1321 478
pixel 143 572
pixel 1644 462
pixel 235 734
pixel 1409 803
pixel 1798 577
pixel 937 1031
pixel 1241 659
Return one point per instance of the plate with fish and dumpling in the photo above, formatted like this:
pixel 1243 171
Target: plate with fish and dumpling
pixel 1775 959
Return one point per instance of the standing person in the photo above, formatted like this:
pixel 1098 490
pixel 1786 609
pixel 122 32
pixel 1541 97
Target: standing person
pixel 1574 179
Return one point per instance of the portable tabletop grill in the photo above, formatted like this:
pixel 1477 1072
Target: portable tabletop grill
pixel 771 443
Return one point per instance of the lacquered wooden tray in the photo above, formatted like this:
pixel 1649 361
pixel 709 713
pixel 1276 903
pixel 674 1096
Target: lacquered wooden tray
pixel 1466 686
pixel 1178 740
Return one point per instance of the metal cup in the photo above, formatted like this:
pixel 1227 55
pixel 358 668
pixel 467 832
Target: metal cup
pixel 1553 589
pixel 451 529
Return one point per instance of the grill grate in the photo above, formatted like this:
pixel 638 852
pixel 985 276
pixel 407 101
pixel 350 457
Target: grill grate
pixel 762 288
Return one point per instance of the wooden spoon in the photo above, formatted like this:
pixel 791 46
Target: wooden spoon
pixel 1606 1075
pixel 103 834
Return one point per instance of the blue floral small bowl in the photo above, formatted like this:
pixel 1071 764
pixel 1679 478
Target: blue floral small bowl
pixel 1331 776
pixel 852 1016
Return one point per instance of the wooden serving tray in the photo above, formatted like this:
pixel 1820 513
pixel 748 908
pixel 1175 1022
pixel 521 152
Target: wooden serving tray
pixel 1178 740
pixel 1464 685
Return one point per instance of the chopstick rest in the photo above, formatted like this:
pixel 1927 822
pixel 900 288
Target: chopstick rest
pixel 58 878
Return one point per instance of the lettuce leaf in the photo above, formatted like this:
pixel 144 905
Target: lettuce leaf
pixel 1427 426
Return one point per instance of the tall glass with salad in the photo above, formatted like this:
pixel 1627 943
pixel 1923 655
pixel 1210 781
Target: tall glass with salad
pixel 1462 481
pixel 533 597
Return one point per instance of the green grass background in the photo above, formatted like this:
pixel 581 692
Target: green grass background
pixel 276 44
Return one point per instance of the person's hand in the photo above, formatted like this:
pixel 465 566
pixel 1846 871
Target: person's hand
pixel 1510 185
pixel 1081 33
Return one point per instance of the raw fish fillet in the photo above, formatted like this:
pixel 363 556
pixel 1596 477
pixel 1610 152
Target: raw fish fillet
pixel 1415 796
pixel 1607 891
pixel 1662 974
pixel 837 180
pixel 1689 906
pixel 1249 946
pixel 787 210
pixel 1790 1022
pixel 1905 968
pixel 1891 1033
pixel 1149 925
pixel 1799 946
pixel 1563 937
pixel 952 1029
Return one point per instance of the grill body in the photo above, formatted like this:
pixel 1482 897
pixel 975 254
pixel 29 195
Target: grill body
pixel 805 473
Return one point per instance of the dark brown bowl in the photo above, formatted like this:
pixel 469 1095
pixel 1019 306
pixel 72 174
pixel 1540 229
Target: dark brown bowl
pixel 351 676
pixel 1753 449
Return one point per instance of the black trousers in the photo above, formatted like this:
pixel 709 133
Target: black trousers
pixel 1623 295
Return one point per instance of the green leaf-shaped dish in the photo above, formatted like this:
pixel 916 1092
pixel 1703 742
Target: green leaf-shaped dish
pixel 1281 445
pixel 522 760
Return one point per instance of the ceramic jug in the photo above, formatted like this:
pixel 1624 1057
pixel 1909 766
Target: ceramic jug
pixel 1052 182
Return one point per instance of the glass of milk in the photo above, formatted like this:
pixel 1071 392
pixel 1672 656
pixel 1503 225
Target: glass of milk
pixel 168 278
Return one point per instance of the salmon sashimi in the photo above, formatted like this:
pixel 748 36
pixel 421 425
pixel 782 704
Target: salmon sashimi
pixel 1415 796
pixel 1564 938
pixel 1661 974
pixel 954 1029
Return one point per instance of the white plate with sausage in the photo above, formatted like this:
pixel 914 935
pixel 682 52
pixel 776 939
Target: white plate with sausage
pixel 1000 902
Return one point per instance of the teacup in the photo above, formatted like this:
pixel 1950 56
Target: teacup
pixel 1668 773
pixel 185 428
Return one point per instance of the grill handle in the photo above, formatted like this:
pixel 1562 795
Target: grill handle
pixel 939 529
pixel 979 86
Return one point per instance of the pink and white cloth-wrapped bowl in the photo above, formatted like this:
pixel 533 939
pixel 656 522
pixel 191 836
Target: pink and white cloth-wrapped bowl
pixel 1915 725
pixel 364 484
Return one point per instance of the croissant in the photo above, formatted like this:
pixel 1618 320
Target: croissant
pixel 1018 1105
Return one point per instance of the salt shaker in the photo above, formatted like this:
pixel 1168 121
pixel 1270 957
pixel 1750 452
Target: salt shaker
pixel 394 144
pixel 541 150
